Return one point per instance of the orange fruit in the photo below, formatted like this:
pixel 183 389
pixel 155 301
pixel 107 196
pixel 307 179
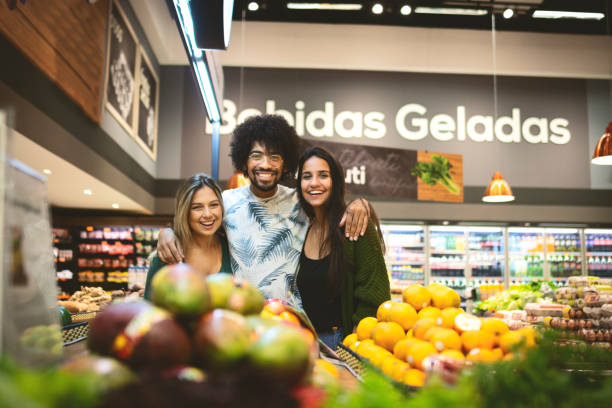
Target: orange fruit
pixel 365 326
pixel 429 311
pixel 326 366
pixel 401 348
pixel 409 333
pixel 431 331
pixel 378 355
pixel 499 354
pixel 414 377
pixel 421 327
pixel 444 339
pixel 530 335
pixel 508 340
pixel 388 365
pixel 473 339
pixel 481 355
pixel 456 354
pixel 442 296
pixel 418 352
pixel 447 317
pixel 399 370
pixel 417 296
pixel 350 339
pixel 403 314
pixel 495 326
pixel 366 349
pixel 466 322
pixel 386 334
pixel 290 317
pixel 354 346
pixel 382 313
pixel 508 357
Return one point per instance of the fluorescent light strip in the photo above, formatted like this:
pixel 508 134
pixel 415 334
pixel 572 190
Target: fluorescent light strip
pixel 567 14
pixel 196 54
pixel 451 11
pixel 324 6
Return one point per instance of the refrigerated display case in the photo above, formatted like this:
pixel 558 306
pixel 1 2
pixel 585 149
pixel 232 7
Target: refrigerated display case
pixel 447 256
pixel 598 252
pixel 405 254
pixel 526 255
pixel 486 259
pixel 563 254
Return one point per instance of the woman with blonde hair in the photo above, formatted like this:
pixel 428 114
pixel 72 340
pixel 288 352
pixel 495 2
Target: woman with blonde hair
pixel 198 226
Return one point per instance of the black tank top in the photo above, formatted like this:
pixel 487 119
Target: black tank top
pixel 312 282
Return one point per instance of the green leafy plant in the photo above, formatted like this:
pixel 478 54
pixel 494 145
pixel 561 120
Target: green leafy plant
pixel 436 172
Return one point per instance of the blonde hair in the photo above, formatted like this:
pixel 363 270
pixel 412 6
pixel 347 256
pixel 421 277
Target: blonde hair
pixel 184 196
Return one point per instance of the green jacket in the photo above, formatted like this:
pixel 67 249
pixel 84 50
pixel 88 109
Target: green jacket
pixel 156 264
pixel 367 285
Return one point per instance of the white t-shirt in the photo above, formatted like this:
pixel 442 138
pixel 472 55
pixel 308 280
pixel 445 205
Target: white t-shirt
pixel 265 236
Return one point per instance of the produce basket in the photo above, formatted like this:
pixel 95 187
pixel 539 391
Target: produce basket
pixel 75 332
pixel 83 316
pixel 352 359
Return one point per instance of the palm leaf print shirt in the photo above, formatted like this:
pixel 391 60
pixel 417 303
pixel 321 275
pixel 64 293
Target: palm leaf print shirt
pixel 265 236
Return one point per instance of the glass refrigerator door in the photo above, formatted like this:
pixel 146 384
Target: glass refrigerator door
pixel 405 254
pixel 486 259
pixel 447 256
pixel 563 254
pixel 526 253
pixel 599 252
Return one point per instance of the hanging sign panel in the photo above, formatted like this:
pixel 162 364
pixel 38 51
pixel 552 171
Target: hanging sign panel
pixel 398 173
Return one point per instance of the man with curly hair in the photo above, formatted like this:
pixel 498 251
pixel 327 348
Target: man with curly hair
pixel 264 223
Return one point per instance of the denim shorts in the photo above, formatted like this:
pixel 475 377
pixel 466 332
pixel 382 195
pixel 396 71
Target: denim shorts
pixel 332 338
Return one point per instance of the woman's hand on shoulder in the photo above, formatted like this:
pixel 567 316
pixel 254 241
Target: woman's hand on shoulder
pixel 168 248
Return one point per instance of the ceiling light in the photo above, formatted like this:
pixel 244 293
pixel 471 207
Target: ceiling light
pixel 603 151
pixel 508 13
pixel 406 10
pixel 253 6
pixel 87 192
pixel 115 205
pixel 445 223
pixel 47 171
pixel 324 6
pixel 451 11
pixel 567 14
pixel 498 190
pixel 377 8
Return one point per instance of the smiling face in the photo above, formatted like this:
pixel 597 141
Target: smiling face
pixel 316 182
pixel 205 212
pixel 264 169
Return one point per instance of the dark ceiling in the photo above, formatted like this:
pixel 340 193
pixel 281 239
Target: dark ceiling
pixel 276 10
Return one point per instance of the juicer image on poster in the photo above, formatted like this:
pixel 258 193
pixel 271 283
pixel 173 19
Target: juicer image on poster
pixel 440 176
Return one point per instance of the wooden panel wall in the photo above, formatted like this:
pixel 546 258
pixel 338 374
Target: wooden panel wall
pixel 66 40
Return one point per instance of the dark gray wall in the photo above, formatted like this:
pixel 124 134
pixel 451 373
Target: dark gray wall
pixel 600 113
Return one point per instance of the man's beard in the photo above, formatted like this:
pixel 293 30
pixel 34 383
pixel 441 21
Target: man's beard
pixel 272 186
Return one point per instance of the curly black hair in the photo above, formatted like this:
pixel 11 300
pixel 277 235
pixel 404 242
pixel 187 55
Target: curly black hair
pixel 274 132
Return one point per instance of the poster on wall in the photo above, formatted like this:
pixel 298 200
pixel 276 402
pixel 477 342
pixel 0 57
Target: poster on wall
pixel 439 176
pixel 122 60
pixel 397 173
pixel 147 106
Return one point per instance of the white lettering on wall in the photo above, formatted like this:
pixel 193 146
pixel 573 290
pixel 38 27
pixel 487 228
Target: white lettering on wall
pixel 412 122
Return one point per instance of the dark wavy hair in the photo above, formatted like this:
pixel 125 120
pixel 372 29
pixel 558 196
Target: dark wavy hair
pixel 334 208
pixel 272 131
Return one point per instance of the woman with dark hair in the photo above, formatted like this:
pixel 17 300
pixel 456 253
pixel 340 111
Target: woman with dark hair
pixel 198 227
pixel 339 281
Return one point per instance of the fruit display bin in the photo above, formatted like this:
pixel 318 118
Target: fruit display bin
pixel 83 316
pixel 75 332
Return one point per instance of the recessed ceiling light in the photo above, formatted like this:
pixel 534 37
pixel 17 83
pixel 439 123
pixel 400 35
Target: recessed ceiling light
pixel 445 222
pixel 47 171
pixel 508 13
pixel 115 205
pixel 567 14
pixel 451 11
pixel 253 6
pixel 406 10
pixel 87 192
pixel 324 6
pixel 377 8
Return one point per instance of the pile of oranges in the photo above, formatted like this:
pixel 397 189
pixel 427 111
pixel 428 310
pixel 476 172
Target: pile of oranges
pixel 429 322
